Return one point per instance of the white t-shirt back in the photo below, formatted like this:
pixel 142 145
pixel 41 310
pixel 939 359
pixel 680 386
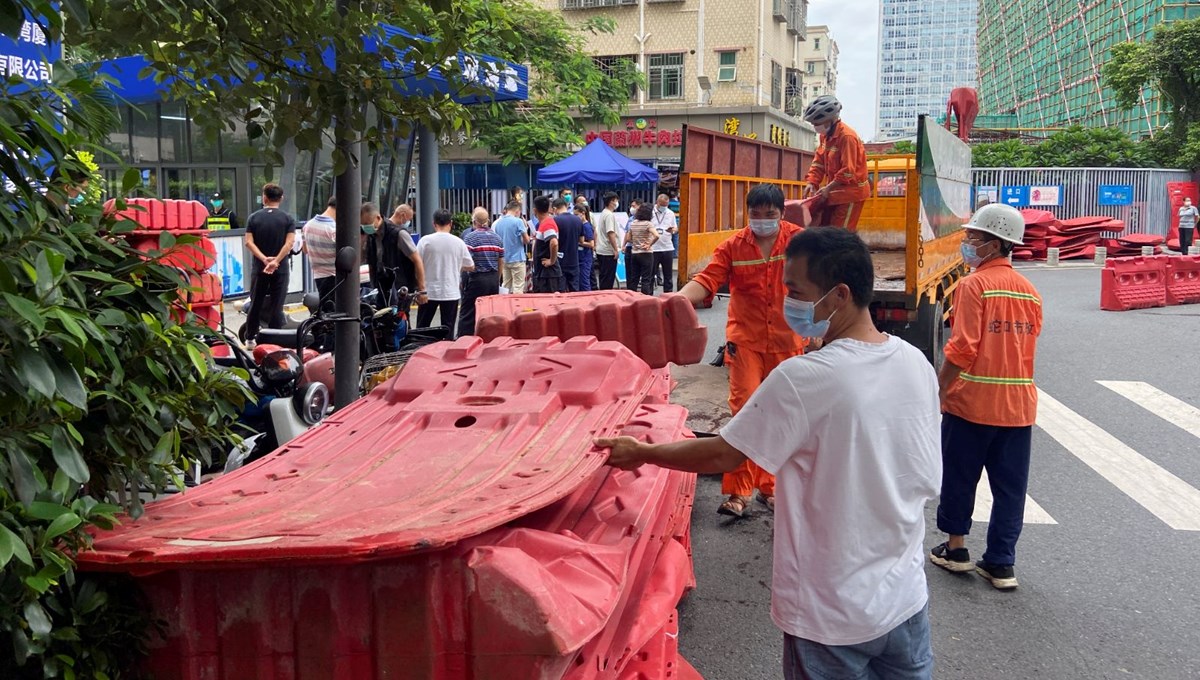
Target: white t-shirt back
pixel 852 433
pixel 444 256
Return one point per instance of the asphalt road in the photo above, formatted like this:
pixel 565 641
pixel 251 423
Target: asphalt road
pixel 1109 579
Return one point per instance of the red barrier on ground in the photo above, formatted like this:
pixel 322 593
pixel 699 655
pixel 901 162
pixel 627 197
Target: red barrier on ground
pixel 584 587
pixel 496 431
pixel 1183 280
pixel 1141 240
pixel 206 289
pixel 1133 283
pixel 198 255
pixel 660 330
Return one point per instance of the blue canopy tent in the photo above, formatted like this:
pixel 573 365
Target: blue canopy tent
pixel 597 163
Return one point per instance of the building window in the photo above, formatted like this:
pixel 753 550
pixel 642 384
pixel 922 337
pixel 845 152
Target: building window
pixel 610 64
pixel 727 71
pixel 776 85
pixel 666 76
pixel 817 44
pixel 811 68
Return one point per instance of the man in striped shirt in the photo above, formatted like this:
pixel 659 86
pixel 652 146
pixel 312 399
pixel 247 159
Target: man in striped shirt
pixel 320 242
pixel 486 249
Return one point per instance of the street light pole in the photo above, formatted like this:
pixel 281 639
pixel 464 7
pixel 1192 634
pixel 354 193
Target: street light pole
pixel 348 192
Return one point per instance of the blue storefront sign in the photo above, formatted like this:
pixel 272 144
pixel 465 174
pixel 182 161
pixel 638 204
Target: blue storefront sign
pixel 29 55
pixel 1116 194
pixel 1015 196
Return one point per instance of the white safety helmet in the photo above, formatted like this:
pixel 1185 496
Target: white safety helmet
pixel 823 110
pixel 1002 221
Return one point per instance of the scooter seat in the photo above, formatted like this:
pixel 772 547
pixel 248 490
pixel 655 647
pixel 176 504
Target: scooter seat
pixel 284 337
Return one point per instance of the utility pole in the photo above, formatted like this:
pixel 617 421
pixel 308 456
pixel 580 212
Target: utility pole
pixel 348 191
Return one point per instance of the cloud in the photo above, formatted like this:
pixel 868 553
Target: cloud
pixel 855 27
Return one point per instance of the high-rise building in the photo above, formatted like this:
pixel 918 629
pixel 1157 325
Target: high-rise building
pixel 1041 60
pixel 926 49
pixel 820 55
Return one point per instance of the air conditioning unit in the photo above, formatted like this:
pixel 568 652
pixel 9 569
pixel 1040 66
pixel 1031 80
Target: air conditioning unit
pixel 779 9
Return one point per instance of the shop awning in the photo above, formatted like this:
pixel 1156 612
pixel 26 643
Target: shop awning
pixel 500 80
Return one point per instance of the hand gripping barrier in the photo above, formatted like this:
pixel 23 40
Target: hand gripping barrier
pixel 474 436
pixel 582 588
pixel 1183 280
pixel 660 330
pixel 1133 283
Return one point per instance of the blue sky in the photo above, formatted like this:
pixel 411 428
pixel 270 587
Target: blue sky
pixel 855 27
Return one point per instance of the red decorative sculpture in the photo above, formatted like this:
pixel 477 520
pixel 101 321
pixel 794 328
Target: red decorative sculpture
pixel 964 104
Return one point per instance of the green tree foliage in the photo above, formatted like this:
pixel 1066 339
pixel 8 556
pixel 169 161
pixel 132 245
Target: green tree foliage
pixel 1169 63
pixel 904 146
pixel 565 78
pixel 104 390
pixel 1075 147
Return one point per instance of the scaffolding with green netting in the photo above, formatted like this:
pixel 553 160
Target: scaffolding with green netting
pixel 1040 61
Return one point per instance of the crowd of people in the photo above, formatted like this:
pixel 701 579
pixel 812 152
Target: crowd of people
pixel 562 247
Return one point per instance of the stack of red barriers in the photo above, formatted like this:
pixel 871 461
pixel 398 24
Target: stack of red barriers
pixel 195 255
pixel 454 523
pixel 1075 238
pixel 1142 282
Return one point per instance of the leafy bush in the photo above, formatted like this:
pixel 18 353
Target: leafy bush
pixel 105 392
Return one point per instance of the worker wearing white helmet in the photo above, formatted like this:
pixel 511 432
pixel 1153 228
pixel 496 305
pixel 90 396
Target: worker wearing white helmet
pixel 838 175
pixel 989 401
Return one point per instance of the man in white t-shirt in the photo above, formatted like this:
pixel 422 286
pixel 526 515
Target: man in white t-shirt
pixel 852 434
pixel 446 257
pixel 608 241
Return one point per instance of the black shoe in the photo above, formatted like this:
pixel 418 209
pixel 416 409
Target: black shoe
pixel 957 560
pixel 1001 578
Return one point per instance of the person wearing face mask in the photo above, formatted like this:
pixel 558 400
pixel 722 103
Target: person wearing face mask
pixel 757 336
pixel 487 249
pixel 1187 225
pixel 221 216
pixel 391 256
pixel 608 241
pixel 851 432
pixel 664 247
pixel 989 401
pixel 838 174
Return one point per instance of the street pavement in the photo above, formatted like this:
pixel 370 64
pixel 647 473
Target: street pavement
pixel 1108 559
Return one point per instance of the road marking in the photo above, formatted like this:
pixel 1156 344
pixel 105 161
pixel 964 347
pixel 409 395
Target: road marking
pixel 1166 496
pixel 1034 513
pixel 1174 411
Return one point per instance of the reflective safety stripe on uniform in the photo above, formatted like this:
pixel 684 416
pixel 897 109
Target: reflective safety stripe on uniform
pixel 994 380
pixel 755 263
pixel 1016 295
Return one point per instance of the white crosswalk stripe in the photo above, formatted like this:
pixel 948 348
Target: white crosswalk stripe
pixel 1165 495
pixel 1034 513
pixel 1174 411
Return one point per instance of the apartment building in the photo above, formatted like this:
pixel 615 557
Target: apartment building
pixel 819 76
pixel 926 49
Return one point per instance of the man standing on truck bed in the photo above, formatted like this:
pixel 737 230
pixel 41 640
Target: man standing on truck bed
pixel 841 164
pixel 989 401
pixel 757 336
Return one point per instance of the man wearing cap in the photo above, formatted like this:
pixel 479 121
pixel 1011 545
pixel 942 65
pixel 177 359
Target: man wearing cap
pixel 989 401
pixel 221 217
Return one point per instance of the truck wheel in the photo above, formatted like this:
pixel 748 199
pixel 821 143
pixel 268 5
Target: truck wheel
pixel 931 331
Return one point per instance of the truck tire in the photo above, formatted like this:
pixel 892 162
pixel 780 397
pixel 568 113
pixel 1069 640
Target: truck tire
pixel 929 332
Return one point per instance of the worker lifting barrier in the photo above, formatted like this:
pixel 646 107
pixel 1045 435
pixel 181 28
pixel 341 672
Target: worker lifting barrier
pixel 1133 283
pixel 1183 280
pixel 353 553
pixel 660 330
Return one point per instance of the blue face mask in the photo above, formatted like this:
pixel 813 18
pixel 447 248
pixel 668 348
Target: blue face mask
pixel 799 317
pixel 217 204
pixel 77 199
pixel 970 254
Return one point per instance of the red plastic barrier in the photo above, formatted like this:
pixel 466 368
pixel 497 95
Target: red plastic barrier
pixel 207 288
pixel 184 215
pixel 199 255
pixel 567 589
pixel 1036 216
pixel 209 315
pixel 660 330
pixel 1141 240
pixel 496 431
pixel 1183 280
pixel 1133 283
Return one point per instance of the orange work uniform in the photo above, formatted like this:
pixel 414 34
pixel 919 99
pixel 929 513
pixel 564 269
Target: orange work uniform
pixel 758 337
pixel 841 161
pixel 997 318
